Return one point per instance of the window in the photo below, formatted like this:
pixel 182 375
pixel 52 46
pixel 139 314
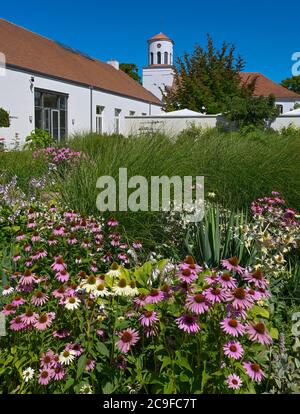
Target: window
pixel 117 121
pixel 171 59
pixel 99 119
pixel 131 113
pixel 280 107
pixel 51 110
pixel 144 114
pixel 166 58
pixel 151 58
pixel 158 58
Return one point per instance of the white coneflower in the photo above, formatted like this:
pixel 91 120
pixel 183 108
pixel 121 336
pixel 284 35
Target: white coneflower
pixel 115 270
pixel 122 289
pixel 100 291
pixel 89 284
pixel 86 389
pixel 7 290
pixel 72 302
pixel 133 289
pixel 67 356
pixel 28 374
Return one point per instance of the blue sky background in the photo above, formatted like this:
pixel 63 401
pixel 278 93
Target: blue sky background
pixel 265 32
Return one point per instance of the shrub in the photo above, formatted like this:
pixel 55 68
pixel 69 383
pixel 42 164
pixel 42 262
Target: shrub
pixel 38 138
pixel 4 118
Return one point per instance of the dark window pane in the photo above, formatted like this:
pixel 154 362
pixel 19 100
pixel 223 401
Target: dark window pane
pixel 38 118
pixel 62 119
pixel 37 98
pixel 63 103
pixel 50 101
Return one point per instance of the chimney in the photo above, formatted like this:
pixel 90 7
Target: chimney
pixel 114 63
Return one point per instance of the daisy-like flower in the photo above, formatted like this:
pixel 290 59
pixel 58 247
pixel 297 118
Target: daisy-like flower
pixel 47 360
pixel 232 327
pixel 60 333
pixel 77 348
pixel 232 264
pixel 188 323
pixel 148 318
pixel 128 338
pixel 233 349
pixel 211 278
pixel 258 333
pixel 154 296
pixel 44 321
pixel 39 298
pixel 189 263
pixel 35 237
pixel 234 382
pixel 29 317
pixel 7 290
pixel 112 222
pixel 100 290
pixel 137 245
pixel 59 231
pixel 8 310
pixel 59 373
pixel 122 288
pixel 59 264
pixel 257 278
pixel 28 374
pixel 240 298
pixel 89 284
pixel 214 294
pixel 227 280
pixel 20 236
pixel 28 278
pixel 86 389
pixel 90 365
pixel 72 303
pixel 62 276
pixel 254 371
pixel 197 303
pixel 52 241
pixel 187 275
pixel 140 301
pixel 115 270
pixel 45 376
pixel 67 356
pixel 133 290
pixel 17 324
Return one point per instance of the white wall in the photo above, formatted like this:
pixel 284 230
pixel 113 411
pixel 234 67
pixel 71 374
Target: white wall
pixel 17 97
pixel 287 104
pixel 155 78
pixel 284 121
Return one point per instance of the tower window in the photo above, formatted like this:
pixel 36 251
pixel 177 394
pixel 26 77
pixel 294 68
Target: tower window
pixel 151 58
pixel 159 58
pixel 166 58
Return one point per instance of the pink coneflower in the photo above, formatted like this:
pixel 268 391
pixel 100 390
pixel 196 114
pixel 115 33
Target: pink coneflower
pixel 45 376
pixel 59 231
pixel 47 359
pixel 16 258
pixel 86 244
pixel 52 241
pixel 189 263
pixel 240 298
pixel 112 222
pixel 232 264
pixel 17 324
pixel 7 290
pixel 259 333
pixel 137 245
pixel 62 276
pixel 197 303
pixel 59 373
pixel 31 224
pixel 214 294
pixel 35 237
pixel 8 310
pixel 77 348
pixel 44 321
pixel 257 278
pixel 27 248
pixel 123 257
pixel 264 294
pixel 58 265
pixel 187 275
pixel 254 371
pixel 29 317
pixel 72 240
pixel 60 292
pixel 39 298
pixel 233 349
pixel 150 331
pixel 148 318
pixel 234 382
pixel 232 327
pixel 128 338
pixel 18 301
pixel 212 278
pixel 90 365
pixel 100 332
pixel 78 260
pixel 120 362
pixel 115 243
pixel 253 293
pixel 28 278
pixel 227 280
pixel 154 296
pixel 20 236
pixel 60 333
pixel 41 253
pixel 188 323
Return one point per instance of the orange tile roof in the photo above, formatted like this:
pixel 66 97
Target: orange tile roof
pixel 159 36
pixel 265 86
pixel 27 50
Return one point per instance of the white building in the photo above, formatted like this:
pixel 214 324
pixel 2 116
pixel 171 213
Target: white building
pixel 50 86
pixel 159 73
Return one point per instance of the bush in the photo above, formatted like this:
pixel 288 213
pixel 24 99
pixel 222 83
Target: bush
pixel 4 119
pixel 39 139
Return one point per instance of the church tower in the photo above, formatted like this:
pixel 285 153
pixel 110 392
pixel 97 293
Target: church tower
pixel 159 73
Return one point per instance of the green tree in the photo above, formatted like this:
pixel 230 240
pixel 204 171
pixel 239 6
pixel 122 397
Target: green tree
pixel 207 78
pixel 132 70
pixel 4 118
pixel 293 83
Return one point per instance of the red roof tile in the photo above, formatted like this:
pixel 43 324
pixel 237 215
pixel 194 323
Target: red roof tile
pixel 160 36
pixel 28 50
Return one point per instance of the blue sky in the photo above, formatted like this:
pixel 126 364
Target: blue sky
pixel 265 32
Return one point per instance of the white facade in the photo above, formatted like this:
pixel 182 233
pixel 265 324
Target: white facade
pixel 286 104
pixel 17 96
pixel 159 73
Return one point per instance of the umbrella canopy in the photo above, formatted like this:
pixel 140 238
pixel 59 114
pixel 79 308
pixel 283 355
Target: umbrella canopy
pixel 295 112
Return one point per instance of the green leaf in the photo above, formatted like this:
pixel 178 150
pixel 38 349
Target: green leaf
pixel 165 362
pixel 183 363
pixel 108 388
pixel 260 311
pixel 102 349
pixel 274 333
pixel 69 384
pixel 81 366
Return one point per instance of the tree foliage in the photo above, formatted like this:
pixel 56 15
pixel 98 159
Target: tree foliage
pixel 293 83
pixel 4 118
pixel 132 70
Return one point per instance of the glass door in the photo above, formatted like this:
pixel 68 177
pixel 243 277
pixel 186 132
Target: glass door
pixel 55 124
